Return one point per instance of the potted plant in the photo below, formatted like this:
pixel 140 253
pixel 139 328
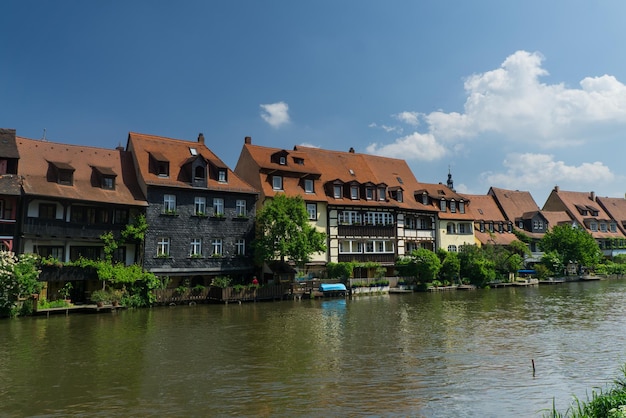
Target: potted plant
pixel 65 291
pixel 99 297
pixel 116 296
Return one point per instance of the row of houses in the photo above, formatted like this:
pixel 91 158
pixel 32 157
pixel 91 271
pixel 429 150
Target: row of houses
pixel 57 199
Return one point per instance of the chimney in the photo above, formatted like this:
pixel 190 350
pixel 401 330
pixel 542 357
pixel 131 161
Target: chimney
pixel 201 138
pixel 120 147
pixel 247 140
pixel 351 150
pixel 556 189
pixel 592 196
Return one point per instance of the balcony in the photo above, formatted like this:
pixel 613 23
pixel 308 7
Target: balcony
pixel 8 227
pixel 387 231
pixel 365 257
pixel 59 228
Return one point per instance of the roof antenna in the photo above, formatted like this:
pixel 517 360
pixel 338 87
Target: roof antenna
pixel 44 135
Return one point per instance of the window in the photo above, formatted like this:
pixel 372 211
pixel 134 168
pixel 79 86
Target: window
pixel 409 222
pixel 308 185
pixel 50 251
pixel 47 211
pixel 282 160
pixel 221 176
pixel 450 228
pixel 379 246
pixel 423 223
pixel 540 225
pixel 482 227
pixel 442 205
pixel 613 227
pixel 603 227
pixel 399 196
pixel 195 249
pixel 410 247
pixel 2 210
pixel 88 252
pixel 462 207
pixel 311 208
pixel 382 192
pixel 500 227
pixel 199 173
pixel 463 229
pixel 216 247
pixel 451 248
pixel 424 199
pixel 240 207
pixel 163 168
pixel 240 247
pixel 350 247
pixel 108 183
pixel 354 192
pixel 66 177
pixel 169 203
pixel 369 193
pixel 120 216
pixel 520 224
pixel 218 206
pixel 349 217
pixel 199 205
pixel 337 192
pixel 163 247
pixel 277 182
pixel 453 206
pixel 378 218
pixel 593 226
pixel 490 226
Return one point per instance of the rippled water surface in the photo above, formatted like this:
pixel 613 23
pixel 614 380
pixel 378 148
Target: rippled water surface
pixel 461 354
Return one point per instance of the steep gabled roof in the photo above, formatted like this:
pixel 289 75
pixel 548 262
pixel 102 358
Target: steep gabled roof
pixel 616 208
pixel 80 161
pixel 485 211
pixel 177 153
pixel 513 203
pixel 439 191
pixel 582 208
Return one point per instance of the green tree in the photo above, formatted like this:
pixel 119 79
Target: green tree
pixel 422 264
pixel 18 279
pixel 284 232
pixel 341 271
pixel 573 245
pixel 450 267
pixel 475 266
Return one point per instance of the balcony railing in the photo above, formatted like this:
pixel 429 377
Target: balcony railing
pixel 365 257
pixel 367 230
pixel 60 228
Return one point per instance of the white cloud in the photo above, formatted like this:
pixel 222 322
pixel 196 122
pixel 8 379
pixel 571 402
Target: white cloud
pixel 511 105
pixel 308 145
pixel 410 118
pixel 531 171
pixel 386 128
pixel 417 146
pixel 276 114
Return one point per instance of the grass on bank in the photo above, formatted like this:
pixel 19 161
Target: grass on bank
pixel 607 403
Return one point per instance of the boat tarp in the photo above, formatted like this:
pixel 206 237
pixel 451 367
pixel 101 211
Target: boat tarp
pixel 332 287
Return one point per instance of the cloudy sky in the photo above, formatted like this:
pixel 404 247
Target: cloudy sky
pixel 520 95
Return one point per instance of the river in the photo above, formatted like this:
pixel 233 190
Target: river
pixel 447 354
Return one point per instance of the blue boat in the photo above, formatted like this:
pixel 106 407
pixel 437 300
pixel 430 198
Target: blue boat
pixel 333 289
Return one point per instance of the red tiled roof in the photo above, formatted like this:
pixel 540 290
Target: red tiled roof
pixel 616 208
pixel 514 203
pixel 177 153
pixel 81 159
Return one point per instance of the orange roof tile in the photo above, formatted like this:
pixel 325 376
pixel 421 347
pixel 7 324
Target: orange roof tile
pixel 35 165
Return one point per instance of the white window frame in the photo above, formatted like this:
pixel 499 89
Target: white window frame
pixel 199 205
pixel 452 248
pixel 221 176
pixel 309 186
pixel 240 247
pixel 277 182
pixel 240 207
pixel 593 226
pixel 350 246
pixel 169 203
pixel 311 209
pixel 382 193
pixel 349 217
pixel 453 206
pixel 461 207
pixel 163 247
pixel 218 206
pixel 195 247
pixel 217 247
pixel 354 192
pixel 379 246
pixel 337 192
pixel 442 205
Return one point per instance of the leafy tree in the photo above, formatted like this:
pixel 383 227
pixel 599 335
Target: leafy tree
pixel 18 278
pixel 573 245
pixel 339 270
pixel 450 267
pixel 284 231
pixel 475 266
pixel 422 264
pixel 136 233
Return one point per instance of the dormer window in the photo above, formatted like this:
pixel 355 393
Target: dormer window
pixel 221 175
pixel 442 205
pixel 282 160
pixel 298 161
pixel 461 207
pixel 369 193
pixel 108 183
pixel 424 198
pixel 453 206
pixel 382 192
pixel 354 192
pixel 308 186
pixel 61 173
pixel 337 191
pixel 159 164
pixel 482 227
pixel 103 177
pixel 277 182
pixel 199 173
pixel 399 196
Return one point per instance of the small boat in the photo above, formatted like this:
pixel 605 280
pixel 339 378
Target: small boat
pixel 333 289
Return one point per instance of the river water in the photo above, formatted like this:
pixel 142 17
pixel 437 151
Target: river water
pixel 448 354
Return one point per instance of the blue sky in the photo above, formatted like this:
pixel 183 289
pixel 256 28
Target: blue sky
pixel 520 95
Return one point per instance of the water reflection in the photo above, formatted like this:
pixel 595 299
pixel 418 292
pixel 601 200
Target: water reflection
pixel 432 355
